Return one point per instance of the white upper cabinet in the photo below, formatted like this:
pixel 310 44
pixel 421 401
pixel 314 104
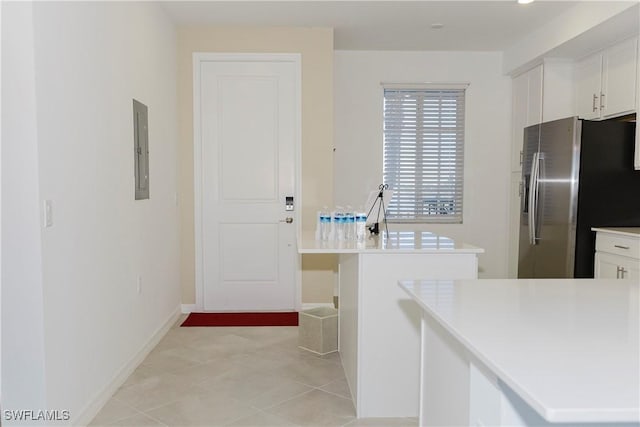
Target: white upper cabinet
pixel 520 93
pixel 619 79
pixel 542 94
pixel 526 109
pixel 534 109
pixel 606 82
pixel 588 76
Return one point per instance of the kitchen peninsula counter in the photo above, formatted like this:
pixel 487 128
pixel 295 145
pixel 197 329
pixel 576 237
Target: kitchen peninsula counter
pixel 529 352
pixel 398 242
pixel 379 326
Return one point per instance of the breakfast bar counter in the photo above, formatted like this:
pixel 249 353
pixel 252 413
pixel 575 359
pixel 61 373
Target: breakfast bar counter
pixel 379 325
pixel 529 352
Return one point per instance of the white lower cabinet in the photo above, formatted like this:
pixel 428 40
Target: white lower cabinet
pixel 616 267
pixel 617 253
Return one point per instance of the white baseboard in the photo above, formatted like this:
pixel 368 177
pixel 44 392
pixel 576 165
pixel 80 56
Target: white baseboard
pixel 96 404
pixel 189 308
pixel 310 305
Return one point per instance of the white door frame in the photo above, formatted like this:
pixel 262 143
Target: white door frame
pixel 198 58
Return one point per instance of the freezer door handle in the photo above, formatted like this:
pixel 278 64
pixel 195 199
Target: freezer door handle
pixel 533 197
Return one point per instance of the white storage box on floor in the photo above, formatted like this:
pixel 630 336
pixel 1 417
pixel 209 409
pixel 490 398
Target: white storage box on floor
pixel 318 330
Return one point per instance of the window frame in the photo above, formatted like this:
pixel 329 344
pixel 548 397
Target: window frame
pixel 458 148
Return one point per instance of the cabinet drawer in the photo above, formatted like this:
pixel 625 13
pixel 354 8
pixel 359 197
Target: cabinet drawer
pixel 619 245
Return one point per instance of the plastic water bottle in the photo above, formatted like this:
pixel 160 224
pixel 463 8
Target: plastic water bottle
pixel 361 226
pixel 338 224
pixel 318 233
pixel 349 225
pixel 325 224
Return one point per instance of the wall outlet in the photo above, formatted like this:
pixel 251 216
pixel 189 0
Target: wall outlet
pixel 139 285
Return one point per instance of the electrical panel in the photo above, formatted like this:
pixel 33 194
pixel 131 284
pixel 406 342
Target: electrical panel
pixel 141 149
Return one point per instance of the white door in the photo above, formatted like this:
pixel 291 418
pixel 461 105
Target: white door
pixel 248 130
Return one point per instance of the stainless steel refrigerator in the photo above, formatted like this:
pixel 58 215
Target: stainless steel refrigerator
pixel 576 174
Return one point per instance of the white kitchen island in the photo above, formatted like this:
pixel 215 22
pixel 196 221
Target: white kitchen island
pixel 379 325
pixel 529 352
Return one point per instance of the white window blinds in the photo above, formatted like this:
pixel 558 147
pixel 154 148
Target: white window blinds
pixel 423 153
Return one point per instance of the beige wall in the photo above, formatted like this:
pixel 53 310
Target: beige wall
pixel 316 47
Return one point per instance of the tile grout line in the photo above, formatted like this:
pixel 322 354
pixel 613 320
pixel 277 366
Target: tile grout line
pixel 138 412
pixel 265 410
pixel 337 395
pixel 284 401
pixel 245 416
pixel 155 419
pixel 200 389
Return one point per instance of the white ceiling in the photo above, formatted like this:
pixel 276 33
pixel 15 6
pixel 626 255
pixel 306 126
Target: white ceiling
pixel 385 25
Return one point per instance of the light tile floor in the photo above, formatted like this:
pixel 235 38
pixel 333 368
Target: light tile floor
pixel 235 377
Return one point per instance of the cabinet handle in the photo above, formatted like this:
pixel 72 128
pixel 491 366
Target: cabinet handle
pixel 521 157
pixel 595 99
pixel 621 247
pixel 602 101
pixel 620 272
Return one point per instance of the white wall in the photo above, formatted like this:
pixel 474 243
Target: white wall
pixel 569 30
pixel 91 59
pixel 23 379
pixel 358 136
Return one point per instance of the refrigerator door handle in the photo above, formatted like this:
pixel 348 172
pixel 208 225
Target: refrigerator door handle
pixel 533 197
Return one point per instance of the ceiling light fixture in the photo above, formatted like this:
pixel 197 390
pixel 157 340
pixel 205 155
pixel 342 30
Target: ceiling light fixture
pixel 437 26
pixel 525 1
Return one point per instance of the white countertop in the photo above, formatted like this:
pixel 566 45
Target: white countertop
pixel 624 231
pixel 570 348
pixel 398 242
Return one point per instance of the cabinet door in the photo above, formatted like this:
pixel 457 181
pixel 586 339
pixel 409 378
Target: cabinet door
pixel 534 109
pixel 526 109
pixel 609 266
pixel 520 95
pixel 619 79
pixel 636 162
pixel 514 225
pixel 633 270
pixel 606 266
pixel 557 92
pixel 588 79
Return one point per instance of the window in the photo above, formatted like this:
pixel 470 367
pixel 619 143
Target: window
pixel 423 153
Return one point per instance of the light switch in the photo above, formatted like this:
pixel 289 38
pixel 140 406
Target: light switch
pixel 48 213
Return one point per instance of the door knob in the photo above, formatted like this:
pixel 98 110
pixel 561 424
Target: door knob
pixel 288 220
